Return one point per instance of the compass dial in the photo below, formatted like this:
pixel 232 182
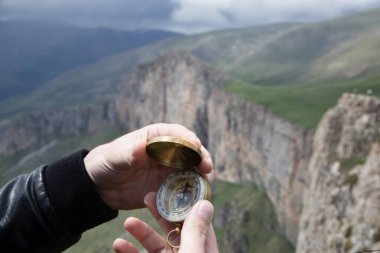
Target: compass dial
pixel 178 194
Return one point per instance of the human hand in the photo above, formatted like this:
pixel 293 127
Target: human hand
pixel 123 173
pixel 197 235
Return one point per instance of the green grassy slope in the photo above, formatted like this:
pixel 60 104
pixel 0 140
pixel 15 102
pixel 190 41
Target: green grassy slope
pixel 298 71
pixel 100 239
pixel 303 105
pixel 292 53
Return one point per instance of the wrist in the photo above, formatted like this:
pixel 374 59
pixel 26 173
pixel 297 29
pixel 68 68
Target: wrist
pixel 73 196
pixel 103 175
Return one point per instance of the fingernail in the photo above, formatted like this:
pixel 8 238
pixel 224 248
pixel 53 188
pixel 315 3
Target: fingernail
pixel 205 211
pixel 210 177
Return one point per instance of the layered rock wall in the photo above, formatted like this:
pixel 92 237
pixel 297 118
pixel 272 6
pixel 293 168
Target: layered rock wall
pixel 33 130
pixel 247 142
pixel 342 205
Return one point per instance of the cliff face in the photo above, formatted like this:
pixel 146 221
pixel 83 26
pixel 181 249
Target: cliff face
pixel 36 129
pixel 175 88
pixel 247 142
pixel 250 144
pixel 342 205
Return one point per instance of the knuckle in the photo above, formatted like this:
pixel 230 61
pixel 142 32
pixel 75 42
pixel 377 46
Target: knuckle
pixel 199 228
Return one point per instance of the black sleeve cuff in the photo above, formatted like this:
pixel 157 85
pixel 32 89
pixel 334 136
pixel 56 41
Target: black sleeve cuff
pixel 73 195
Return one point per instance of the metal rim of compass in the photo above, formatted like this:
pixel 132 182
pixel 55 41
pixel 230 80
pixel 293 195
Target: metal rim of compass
pixel 203 193
pixel 174 152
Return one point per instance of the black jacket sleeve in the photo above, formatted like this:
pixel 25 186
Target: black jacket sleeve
pixel 48 209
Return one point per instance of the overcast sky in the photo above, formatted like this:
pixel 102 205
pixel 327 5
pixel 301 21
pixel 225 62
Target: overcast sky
pixel 189 16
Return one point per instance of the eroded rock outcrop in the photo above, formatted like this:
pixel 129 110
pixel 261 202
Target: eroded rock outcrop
pixel 342 205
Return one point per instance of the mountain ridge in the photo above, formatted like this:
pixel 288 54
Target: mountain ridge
pixel 36 51
pixel 338 69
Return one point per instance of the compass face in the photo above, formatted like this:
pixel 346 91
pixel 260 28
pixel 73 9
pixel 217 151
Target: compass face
pixel 178 194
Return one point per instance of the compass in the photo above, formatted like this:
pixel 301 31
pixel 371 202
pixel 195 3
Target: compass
pixel 179 193
pixel 183 188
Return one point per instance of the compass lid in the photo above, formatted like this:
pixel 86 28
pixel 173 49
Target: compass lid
pixel 174 152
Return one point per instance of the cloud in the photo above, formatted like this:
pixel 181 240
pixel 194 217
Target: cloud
pixel 188 16
pixel 198 15
pixel 125 14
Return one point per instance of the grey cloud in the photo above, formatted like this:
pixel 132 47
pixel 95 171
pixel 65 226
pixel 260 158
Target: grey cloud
pixel 180 15
pixel 228 16
pixel 93 12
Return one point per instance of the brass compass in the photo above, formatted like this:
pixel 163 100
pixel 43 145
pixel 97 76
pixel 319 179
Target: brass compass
pixel 179 193
pixel 174 152
pixel 183 188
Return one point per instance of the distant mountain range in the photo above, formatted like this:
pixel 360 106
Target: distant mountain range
pixel 341 48
pixel 296 70
pixel 33 52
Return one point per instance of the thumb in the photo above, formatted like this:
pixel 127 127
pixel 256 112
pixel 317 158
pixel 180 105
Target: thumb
pixel 195 228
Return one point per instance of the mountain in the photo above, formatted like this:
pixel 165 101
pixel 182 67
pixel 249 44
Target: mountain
pixel 33 52
pixel 341 48
pixel 282 187
pixel 282 67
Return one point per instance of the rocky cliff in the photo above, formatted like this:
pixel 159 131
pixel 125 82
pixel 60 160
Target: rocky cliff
pixel 342 203
pixel 248 144
pixel 33 130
